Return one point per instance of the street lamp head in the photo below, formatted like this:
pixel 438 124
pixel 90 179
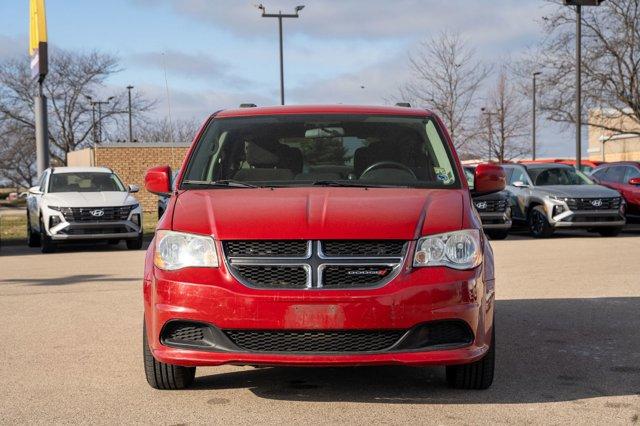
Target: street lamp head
pixel 129 87
pixel 110 98
pixel 299 8
pixel 537 73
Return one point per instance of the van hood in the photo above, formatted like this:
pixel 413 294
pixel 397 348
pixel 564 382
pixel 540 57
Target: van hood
pixel 578 191
pixel 318 213
pixel 89 199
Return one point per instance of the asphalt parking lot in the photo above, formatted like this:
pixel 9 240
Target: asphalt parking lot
pixel 568 349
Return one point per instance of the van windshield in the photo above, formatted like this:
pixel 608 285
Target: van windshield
pixel 297 150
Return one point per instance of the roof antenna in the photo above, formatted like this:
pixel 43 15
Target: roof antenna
pixel 166 85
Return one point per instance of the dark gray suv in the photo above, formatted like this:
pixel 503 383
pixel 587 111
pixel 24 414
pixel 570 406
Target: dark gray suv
pixel 550 196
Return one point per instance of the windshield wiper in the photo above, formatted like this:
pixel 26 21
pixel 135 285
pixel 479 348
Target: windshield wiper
pixel 226 183
pixel 342 183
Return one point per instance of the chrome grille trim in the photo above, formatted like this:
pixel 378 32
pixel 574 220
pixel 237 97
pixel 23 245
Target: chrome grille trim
pixel 315 262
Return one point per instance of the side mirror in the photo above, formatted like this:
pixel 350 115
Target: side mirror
pixel 489 178
pixel 35 190
pixel 520 184
pixel 634 181
pixel 157 180
pixel 134 188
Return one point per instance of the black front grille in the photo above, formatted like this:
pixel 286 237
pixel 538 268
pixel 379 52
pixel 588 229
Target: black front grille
pixel 362 248
pixel 269 276
pixel 314 341
pixel 593 203
pixel 346 276
pixel 286 248
pixel 491 206
pixel 95 214
pixel 94 231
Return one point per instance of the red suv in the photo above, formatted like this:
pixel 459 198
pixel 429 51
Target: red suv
pixel 320 236
pixel 623 176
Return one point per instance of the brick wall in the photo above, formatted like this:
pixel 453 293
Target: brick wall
pixel 605 145
pixel 131 160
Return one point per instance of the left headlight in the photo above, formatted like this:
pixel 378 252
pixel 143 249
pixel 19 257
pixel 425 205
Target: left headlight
pixel 457 250
pixel 176 250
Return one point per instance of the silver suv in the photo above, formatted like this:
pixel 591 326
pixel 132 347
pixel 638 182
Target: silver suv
pixel 550 196
pixel 82 203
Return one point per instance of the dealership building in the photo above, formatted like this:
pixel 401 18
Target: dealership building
pixel 607 145
pixel 130 161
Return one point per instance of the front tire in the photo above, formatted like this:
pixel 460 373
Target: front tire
pixel 136 243
pixel 477 375
pixel 612 231
pixel 499 234
pixel 539 226
pixel 48 246
pixel 33 238
pixel 164 376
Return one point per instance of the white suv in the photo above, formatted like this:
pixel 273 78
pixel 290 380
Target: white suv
pixel 82 203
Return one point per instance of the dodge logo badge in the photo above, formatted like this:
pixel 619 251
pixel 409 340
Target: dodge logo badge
pixel 97 213
pixel 596 203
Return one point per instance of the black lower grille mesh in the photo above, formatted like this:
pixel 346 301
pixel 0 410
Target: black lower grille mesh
pixel 185 333
pixel 273 276
pixel 346 276
pixel 314 341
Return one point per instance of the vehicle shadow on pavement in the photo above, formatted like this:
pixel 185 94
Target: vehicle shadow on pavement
pixel 70 279
pixel 548 350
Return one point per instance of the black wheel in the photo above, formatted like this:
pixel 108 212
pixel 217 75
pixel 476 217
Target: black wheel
pixel 477 375
pixel 538 224
pixel 48 246
pixel 612 231
pixel 160 212
pixel 164 376
pixel 33 238
pixel 497 234
pixel 114 242
pixel 135 243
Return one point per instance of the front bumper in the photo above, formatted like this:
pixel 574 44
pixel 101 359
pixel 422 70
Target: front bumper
pixel 587 219
pixel 415 296
pixel 497 220
pixel 95 230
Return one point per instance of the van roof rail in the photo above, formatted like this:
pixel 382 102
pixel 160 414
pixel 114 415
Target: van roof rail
pixel 248 105
pixel 403 104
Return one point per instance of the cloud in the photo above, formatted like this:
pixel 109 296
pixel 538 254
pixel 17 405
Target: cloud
pixel 190 65
pixel 13 47
pixel 497 20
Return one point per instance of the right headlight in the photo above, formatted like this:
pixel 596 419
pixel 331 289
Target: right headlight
pixel 457 250
pixel 177 250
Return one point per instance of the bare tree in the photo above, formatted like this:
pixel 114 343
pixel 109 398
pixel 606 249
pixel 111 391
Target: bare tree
pixel 72 77
pixel 504 122
pixel 17 155
pixel 446 78
pixel 163 130
pixel 610 65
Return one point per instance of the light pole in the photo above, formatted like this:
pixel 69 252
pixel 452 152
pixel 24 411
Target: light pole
pixel 130 125
pixel 280 16
pixel 93 119
pixel 578 4
pixel 490 127
pixel 97 138
pixel 533 126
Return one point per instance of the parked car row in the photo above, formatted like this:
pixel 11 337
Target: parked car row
pixel 545 196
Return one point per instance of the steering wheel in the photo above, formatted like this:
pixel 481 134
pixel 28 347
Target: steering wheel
pixel 388 165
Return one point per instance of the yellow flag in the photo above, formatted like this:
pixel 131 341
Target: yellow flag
pixel 37 25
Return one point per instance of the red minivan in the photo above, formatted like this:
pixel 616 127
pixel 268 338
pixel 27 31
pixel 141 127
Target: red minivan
pixel 320 236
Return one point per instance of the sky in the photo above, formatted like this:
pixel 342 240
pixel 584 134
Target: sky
pixel 220 53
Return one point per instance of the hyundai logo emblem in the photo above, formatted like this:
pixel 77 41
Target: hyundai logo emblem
pixel 481 205
pixel 97 213
pixel 596 203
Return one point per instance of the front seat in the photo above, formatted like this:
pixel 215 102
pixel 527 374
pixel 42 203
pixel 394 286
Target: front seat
pixel 263 166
